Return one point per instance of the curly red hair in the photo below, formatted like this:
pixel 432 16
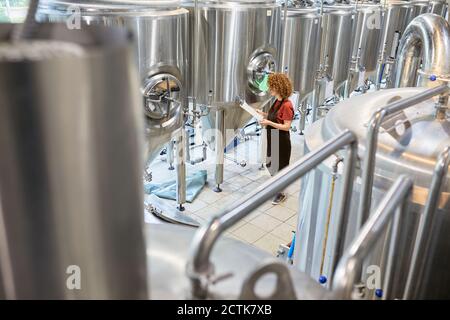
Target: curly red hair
pixel 281 84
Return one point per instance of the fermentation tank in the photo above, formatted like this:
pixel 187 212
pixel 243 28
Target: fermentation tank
pixel 410 139
pixel 438 7
pixel 236 45
pixel 366 46
pixel 301 49
pixel 418 7
pixel 161 30
pixel 336 44
pixel 395 20
pixel 301 53
pixel 70 166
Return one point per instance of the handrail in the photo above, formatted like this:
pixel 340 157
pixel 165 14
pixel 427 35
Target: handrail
pixel 350 265
pixel 375 122
pixel 423 237
pixel 199 268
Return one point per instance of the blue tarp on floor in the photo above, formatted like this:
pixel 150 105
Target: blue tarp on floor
pixel 168 190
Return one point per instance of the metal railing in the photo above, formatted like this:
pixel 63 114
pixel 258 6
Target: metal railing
pixel 424 232
pixel 199 267
pixel 393 205
pixel 372 141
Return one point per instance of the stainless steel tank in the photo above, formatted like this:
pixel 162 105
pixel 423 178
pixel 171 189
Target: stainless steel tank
pixel 236 46
pixel 237 43
pixel 367 41
pixel 336 44
pixel 438 7
pixel 395 20
pixel 161 50
pixel 301 47
pixel 419 7
pixel 409 143
pixel 71 202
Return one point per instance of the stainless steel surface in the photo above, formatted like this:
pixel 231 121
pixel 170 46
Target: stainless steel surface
pixel 301 49
pixel 200 268
pixel 424 233
pixel 346 275
pixel 161 44
pixel 367 36
pixel 336 44
pixel 167 212
pixel 181 168
pixel 426 42
pixel 409 143
pixel 438 7
pixel 284 289
pixel 374 125
pixel 237 41
pixel 419 7
pixel 220 139
pixel 69 175
pixel 394 22
pixel 367 42
pixel 168 252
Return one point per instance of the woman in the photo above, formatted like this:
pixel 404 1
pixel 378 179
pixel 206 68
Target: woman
pixel 278 123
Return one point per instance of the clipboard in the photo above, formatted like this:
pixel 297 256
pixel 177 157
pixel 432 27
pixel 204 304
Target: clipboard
pixel 250 110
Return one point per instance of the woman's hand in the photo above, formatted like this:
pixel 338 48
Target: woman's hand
pixel 265 122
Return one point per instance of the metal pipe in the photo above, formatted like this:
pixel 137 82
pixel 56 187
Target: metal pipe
pixel 181 169
pixel 284 31
pixel 350 265
pixel 372 141
pixel 219 148
pixel 426 40
pixel 199 266
pixel 424 232
pixel 23 31
pixel 170 154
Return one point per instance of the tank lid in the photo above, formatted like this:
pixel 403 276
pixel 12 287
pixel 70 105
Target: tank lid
pixel 409 142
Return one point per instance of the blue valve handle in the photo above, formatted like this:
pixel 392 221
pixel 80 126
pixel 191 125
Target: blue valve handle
pixel 433 77
pixel 379 293
pixel 323 279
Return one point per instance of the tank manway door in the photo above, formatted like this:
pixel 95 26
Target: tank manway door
pixel 258 69
pixel 162 94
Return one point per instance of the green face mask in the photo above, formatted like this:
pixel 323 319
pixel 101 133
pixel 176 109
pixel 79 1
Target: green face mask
pixel 263 85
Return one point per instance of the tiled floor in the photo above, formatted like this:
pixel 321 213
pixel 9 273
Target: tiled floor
pixel 268 226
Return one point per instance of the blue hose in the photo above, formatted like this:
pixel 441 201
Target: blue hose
pixel 381 73
pixel 291 248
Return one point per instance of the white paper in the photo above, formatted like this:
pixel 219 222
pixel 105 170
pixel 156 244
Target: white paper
pixel 252 111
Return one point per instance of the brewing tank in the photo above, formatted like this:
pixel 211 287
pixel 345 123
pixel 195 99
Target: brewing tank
pixel 438 7
pixel 336 43
pixel 161 29
pixel 367 40
pixel 236 46
pixel 394 21
pixel 70 166
pixel 301 47
pixel 367 36
pixel 409 143
pixel 418 7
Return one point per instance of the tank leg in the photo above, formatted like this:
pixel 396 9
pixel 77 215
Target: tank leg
pixel 262 148
pixel 170 155
pixel 181 169
pixel 220 145
pixel 302 121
